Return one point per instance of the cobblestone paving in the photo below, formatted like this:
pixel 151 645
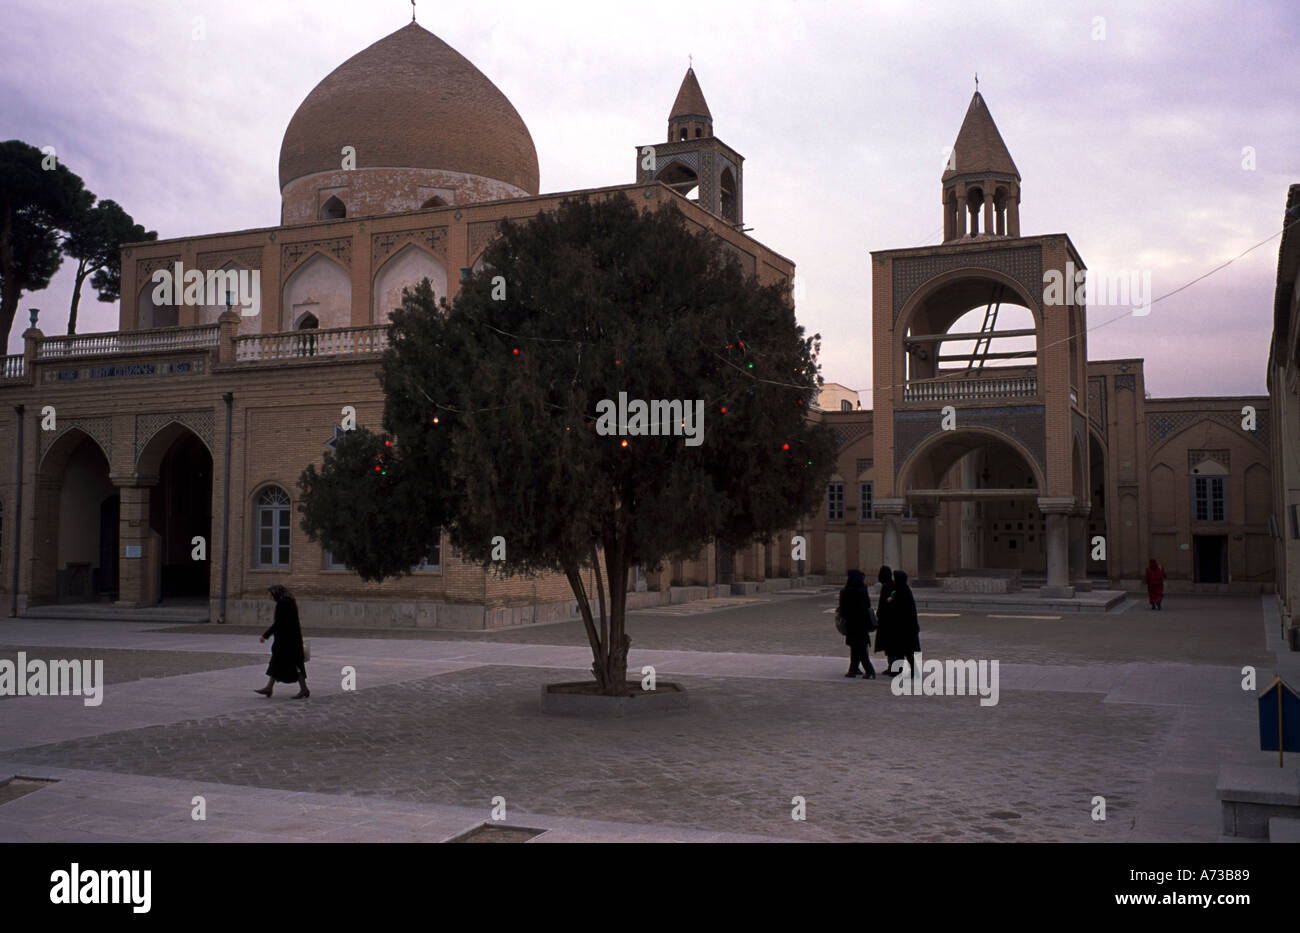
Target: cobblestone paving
pixel 1204 630
pixel 124 666
pixel 870 765
pixel 1150 720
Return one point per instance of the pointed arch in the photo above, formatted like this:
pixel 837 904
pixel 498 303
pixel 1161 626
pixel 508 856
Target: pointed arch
pixel 730 195
pixel 150 314
pixel 942 450
pixel 333 209
pixel 156 446
pixel 404 269
pixel 320 286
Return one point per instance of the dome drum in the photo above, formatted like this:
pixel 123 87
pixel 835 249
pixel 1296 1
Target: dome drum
pixel 415 114
pixel 367 192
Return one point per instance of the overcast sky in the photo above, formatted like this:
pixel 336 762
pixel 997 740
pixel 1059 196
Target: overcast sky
pixel 1132 143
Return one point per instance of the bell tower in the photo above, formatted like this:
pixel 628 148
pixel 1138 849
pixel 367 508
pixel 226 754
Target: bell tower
pixel 981 185
pixel 982 427
pixel 694 162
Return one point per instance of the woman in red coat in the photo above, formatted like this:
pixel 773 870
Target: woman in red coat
pixel 1155 583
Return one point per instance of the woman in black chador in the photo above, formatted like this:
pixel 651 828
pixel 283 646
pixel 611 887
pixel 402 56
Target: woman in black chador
pixel 883 620
pixel 855 609
pixel 899 635
pixel 287 665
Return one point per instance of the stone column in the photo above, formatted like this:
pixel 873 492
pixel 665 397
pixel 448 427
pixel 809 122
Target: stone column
pixel 1056 509
pixel 988 212
pixel 972 532
pixel 925 513
pixel 41 533
pixel 137 585
pixel 1079 550
pixel 1013 215
pixel 960 229
pixel 891 510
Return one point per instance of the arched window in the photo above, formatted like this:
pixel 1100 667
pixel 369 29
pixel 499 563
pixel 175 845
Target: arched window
pixel 333 209
pixel 273 528
pixel 307 341
pixel 681 178
pixel 846 405
pixel 434 201
pixel 730 201
pixel 974 205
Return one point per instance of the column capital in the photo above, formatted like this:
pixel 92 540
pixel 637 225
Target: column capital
pixel 1082 511
pixel 925 508
pixel 1056 505
pixel 885 507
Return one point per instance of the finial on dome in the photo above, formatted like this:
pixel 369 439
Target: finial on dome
pixel 412 10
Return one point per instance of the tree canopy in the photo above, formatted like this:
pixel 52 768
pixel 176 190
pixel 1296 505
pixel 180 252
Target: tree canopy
pixel 492 410
pixel 47 213
pixel 39 200
pixel 94 239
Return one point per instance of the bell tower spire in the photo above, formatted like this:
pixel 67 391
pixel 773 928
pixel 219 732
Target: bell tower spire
pixel 690 117
pixel 981 184
pixel 694 162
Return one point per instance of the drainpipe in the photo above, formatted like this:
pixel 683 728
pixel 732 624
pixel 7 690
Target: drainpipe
pixel 229 399
pixel 18 512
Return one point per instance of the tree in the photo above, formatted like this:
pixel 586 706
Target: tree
pixel 493 405
pixel 36 205
pixel 95 241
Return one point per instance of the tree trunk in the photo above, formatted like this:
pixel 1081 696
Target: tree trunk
pixel 573 571
pixel 8 277
pixel 82 272
pixel 8 308
pixel 609 651
pixel 618 642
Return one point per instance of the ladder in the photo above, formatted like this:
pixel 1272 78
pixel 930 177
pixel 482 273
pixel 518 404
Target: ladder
pixel 984 342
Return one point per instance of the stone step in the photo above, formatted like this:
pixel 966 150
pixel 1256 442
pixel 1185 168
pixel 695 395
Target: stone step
pixel 1283 829
pixel 186 613
pixel 1252 796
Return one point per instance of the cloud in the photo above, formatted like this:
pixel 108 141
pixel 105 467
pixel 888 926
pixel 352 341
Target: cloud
pixel 1132 145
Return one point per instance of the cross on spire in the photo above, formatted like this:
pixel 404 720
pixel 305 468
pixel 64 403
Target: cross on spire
pixel 977 74
pixel 412 10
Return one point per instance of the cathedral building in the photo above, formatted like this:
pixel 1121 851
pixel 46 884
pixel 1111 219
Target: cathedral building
pixel 159 462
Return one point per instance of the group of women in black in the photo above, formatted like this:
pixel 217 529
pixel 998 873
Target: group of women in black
pixel 898 631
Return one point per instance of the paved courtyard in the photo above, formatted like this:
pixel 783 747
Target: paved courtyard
pixel 1138 707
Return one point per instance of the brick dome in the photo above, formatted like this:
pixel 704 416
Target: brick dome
pixel 410 101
